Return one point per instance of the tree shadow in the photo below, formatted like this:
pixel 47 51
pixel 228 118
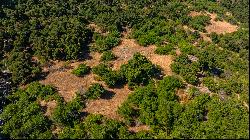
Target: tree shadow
pixel 42 76
pixel 108 95
pixel 84 114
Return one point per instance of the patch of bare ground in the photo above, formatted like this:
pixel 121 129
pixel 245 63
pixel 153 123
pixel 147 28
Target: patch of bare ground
pixel 139 128
pixel 67 83
pixel 220 27
pixel 109 105
pixel 49 106
pixel 128 47
pixel 194 13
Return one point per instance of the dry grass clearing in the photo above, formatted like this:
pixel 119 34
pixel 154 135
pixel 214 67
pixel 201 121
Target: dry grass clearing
pixel 68 84
pixel 219 27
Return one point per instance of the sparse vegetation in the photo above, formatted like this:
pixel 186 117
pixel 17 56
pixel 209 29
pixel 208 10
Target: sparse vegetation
pixel 207 96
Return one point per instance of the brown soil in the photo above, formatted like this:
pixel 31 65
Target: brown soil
pixel 97 29
pixel 109 105
pixel 220 27
pixel 139 128
pixel 67 83
pixel 194 14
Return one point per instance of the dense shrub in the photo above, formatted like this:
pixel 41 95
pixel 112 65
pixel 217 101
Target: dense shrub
pixel 81 70
pixel 95 91
pixel 67 114
pixel 23 116
pixel 138 70
pixel 163 50
pixel 104 43
pixel 110 77
pixel 199 22
pixel 107 56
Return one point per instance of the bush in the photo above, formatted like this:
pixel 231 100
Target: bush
pixel 95 91
pixel 199 22
pixel 81 70
pixel 111 78
pixel 138 70
pixel 104 43
pixel 107 56
pixel 163 50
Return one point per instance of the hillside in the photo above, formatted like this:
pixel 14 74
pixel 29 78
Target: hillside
pixel 137 69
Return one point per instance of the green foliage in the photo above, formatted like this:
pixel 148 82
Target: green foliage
pixel 163 50
pixel 236 41
pixel 68 113
pixel 22 68
pixel 23 116
pixel 111 78
pixel 81 70
pixel 153 32
pixel 238 8
pixel 144 102
pixel 95 91
pixel 104 43
pixel 107 56
pixel 199 22
pixel 138 70
pixel 36 31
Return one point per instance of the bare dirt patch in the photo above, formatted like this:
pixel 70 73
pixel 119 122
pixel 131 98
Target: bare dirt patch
pixel 128 47
pixel 183 97
pixel 220 27
pixel 97 29
pixel 139 128
pixel 194 13
pixel 108 107
pixel 67 83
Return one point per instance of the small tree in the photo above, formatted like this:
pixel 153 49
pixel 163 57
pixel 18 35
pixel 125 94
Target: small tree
pixel 107 56
pixel 81 70
pixel 95 91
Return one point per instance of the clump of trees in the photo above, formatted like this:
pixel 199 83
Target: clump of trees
pixel 138 70
pixel 199 22
pixel 23 117
pixel 81 70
